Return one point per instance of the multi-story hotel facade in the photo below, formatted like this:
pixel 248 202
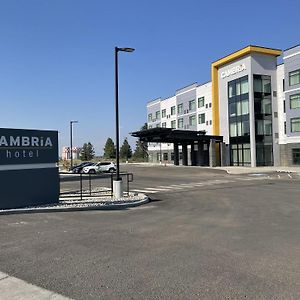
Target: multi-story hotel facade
pixel 252 102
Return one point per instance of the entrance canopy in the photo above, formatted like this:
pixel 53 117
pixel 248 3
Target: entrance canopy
pixel 169 135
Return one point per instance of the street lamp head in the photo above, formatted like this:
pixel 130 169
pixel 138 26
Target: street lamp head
pixel 73 122
pixel 126 49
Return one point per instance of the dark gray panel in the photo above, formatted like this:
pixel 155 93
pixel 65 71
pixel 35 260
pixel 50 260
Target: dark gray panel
pixel 19 146
pixel 21 188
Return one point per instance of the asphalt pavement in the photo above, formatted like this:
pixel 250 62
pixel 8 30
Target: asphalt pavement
pixel 205 235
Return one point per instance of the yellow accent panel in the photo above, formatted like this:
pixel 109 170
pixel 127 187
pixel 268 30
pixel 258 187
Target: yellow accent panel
pixel 215 82
pixel 215 101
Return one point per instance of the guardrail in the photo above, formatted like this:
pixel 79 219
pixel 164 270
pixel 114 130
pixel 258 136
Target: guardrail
pixel 89 189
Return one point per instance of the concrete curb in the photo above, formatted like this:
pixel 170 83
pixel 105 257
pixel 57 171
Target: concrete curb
pixel 118 206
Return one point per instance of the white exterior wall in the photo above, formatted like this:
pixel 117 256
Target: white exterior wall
pixel 280 101
pixel 205 91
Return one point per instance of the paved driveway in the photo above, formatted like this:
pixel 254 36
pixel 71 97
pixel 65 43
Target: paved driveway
pixel 237 237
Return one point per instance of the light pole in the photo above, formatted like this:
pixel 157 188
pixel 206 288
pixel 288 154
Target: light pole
pixel 71 140
pixel 118 182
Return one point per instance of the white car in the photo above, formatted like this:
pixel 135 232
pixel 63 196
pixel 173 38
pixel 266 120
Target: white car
pixel 100 167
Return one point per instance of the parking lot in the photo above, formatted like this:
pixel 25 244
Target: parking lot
pixel 205 235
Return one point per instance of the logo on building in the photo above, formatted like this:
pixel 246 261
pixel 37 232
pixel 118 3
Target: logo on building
pixel 233 71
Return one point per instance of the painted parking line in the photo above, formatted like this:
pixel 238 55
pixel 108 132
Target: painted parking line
pixel 13 288
pixel 156 189
pixel 144 191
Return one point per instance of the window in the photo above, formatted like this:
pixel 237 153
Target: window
pixel 233 128
pixel 157 115
pixel 266 106
pixel 294 77
pixel 201 118
pixel 150 118
pixel 295 101
pixel 192 104
pixel 173 110
pixel 232 109
pixel 240 154
pixel 244 86
pixel 164 125
pixel 295 125
pixel 173 124
pixel 296 156
pixel 165 156
pixel 157 125
pixel 150 126
pixel 238 87
pixel 192 120
pixel 180 108
pixel 264 127
pixel 206 105
pixel 210 122
pixel 163 113
pixel 180 123
pixel 201 101
pixel 284 127
pixel 231 92
pixel 209 104
pixel 284 106
pixel 245 128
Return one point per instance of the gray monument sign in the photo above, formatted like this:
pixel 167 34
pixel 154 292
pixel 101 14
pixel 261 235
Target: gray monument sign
pixel 28 167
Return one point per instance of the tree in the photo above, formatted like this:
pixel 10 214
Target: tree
pixel 109 149
pixel 125 150
pixel 87 152
pixel 141 149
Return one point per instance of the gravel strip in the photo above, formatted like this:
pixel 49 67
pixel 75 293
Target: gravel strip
pixel 85 203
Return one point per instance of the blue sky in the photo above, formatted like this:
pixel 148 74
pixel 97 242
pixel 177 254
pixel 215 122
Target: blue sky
pixel 57 56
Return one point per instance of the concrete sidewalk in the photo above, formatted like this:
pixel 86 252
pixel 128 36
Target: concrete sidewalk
pixel 250 170
pixel 228 169
pixel 12 288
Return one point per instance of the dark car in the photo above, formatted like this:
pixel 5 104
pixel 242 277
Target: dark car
pixel 78 168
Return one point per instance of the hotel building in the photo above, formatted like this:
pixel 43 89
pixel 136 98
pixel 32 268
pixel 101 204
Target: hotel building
pixel 252 102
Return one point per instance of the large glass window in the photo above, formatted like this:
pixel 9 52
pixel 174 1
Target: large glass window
pixel 192 104
pixel 294 77
pixel 239 130
pixel 296 156
pixel 240 154
pixel 263 119
pixel 295 125
pixel 163 124
pixel 201 118
pixel 173 124
pixel 163 113
pixel 238 87
pixel 201 102
pixel 245 107
pixel 192 120
pixel 157 115
pixel 295 101
pixel 244 86
pixel 173 110
pixel 232 109
pixel 180 123
pixel 180 109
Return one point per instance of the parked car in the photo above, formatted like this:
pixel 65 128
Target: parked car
pixel 100 167
pixel 78 168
